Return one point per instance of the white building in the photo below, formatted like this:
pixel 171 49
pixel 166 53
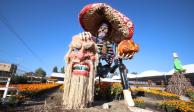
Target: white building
pixel 56 78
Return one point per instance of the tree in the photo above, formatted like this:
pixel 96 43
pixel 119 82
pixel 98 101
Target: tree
pixel 40 72
pixel 19 80
pixel 135 73
pixel 62 70
pixel 55 69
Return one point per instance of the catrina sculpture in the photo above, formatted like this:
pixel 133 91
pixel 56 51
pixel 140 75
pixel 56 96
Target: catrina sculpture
pixel 108 37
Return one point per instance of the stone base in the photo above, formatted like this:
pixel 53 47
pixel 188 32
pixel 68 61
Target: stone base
pixel 128 98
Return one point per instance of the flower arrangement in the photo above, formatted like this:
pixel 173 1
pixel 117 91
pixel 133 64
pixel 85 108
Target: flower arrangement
pixel 157 94
pixel 139 102
pixel 117 87
pixel 190 93
pixel 29 90
pixel 177 105
pixel 36 87
pixel 103 90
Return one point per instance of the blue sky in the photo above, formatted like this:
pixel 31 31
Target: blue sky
pixel 161 27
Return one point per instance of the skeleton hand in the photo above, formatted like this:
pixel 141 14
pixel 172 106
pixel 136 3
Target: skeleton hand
pixel 85 36
pixel 127 48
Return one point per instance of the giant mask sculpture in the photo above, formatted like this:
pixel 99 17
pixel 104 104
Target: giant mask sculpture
pixel 80 72
pixel 82 54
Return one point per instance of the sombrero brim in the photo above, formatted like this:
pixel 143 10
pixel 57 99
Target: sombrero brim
pixel 92 16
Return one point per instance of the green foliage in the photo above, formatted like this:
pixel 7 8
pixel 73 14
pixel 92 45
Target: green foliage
pixel 63 70
pixel 40 72
pixel 12 100
pixel 43 80
pixel 19 80
pixel 135 73
pixel 55 69
pixel 15 100
pixel 116 90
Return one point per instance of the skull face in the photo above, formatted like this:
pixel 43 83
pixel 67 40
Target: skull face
pixel 103 30
pixel 82 55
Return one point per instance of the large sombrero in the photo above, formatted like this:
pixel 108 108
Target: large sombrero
pixel 93 15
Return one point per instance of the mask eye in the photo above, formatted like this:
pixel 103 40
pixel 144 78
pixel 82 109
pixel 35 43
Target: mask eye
pixel 91 50
pixel 75 49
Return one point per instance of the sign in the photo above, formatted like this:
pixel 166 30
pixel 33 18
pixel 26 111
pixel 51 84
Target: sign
pixel 8 67
pixel 5 67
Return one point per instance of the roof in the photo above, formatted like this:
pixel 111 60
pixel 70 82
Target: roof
pixel 107 79
pixel 60 75
pixel 189 69
pixel 150 73
pixel 128 76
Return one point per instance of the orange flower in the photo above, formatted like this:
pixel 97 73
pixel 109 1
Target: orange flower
pixel 179 105
pixel 34 87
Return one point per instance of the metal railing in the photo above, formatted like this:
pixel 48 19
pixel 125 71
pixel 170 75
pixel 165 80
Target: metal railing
pixel 6 88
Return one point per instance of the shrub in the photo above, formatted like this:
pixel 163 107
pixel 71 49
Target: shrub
pixel 19 80
pixel 15 100
pixel 116 90
pixel 190 94
pixel 139 102
pixel 62 88
pixel 103 91
pixel 12 100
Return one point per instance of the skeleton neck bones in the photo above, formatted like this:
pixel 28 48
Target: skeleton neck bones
pixel 105 48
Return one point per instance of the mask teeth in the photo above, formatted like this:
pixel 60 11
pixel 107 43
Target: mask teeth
pixel 80 67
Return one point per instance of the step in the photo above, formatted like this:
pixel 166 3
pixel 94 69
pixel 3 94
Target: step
pixel 9 88
pixel 3 80
pixel 11 95
pixel 4 77
pixel 2 88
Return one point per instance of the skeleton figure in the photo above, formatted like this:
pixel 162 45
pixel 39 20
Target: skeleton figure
pixel 127 49
pixel 105 50
pixel 80 72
